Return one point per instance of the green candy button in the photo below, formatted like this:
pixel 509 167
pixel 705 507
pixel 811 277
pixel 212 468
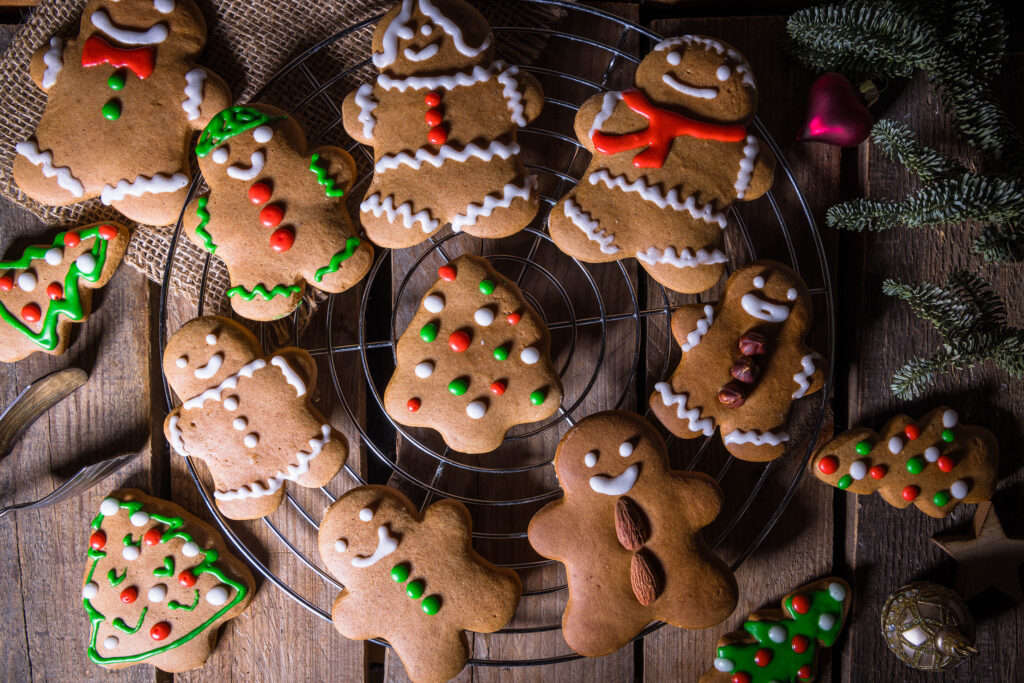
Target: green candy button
pixel 486 286
pixel 915 465
pixel 948 436
pixel 111 110
pixel 457 387
pixel 863 448
pixel 431 604
pixel 845 481
pixel 941 498
pixel 428 332
pixel 500 353
pixel 400 572
pixel 116 80
pixel 415 589
pixel 537 397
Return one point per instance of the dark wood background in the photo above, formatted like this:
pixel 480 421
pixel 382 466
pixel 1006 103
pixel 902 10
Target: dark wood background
pixel 877 548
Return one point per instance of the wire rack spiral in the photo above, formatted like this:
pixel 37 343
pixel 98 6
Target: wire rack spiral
pixel 581 315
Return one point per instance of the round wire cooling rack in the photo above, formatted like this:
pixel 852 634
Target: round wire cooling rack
pixel 580 321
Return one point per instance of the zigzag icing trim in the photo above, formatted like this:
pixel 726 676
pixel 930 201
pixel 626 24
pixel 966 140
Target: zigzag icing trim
pixel 691 416
pixel 687 259
pixel 509 194
pixel 803 378
pixel 740 436
pixel 512 94
pixel 158 184
pixel 373 204
pixel 746 172
pixel 582 220
pixel 740 62
pixel 663 200
pixel 367 103
pixel 66 179
pixel 292 472
pixel 231 382
pixel 423 155
pixel 703 325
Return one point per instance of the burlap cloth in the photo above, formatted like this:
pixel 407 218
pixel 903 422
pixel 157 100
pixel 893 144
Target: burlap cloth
pixel 249 41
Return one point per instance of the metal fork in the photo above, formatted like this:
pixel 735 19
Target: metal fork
pixel 84 479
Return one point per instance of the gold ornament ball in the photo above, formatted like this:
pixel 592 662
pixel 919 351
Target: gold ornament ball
pixel 928 627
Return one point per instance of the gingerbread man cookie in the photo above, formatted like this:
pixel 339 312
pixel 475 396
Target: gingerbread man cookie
pixel 934 463
pixel 275 213
pixel 50 287
pixel 250 418
pixel 474 361
pixel 123 99
pixel 743 364
pixel 159 582
pixel 413 579
pixel 669 157
pixel 442 118
pixel 628 533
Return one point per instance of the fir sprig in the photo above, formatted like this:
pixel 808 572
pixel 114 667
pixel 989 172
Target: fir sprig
pixel 971 321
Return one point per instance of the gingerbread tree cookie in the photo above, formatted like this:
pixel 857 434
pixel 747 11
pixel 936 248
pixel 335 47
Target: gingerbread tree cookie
pixel 934 463
pixel 275 213
pixel 442 118
pixel 123 100
pixel 159 582
pixel 743 364
pixel 474 361
pixel 50 287
pixel 783 645
pixel 250 418
pixel 628 533
pixel 413 579
pixel 669 157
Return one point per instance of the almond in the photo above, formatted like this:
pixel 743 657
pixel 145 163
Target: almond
pixel 643 576
pixel 630 524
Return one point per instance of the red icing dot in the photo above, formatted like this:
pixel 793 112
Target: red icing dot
pixel 6 283
pixel 800 644
pixel 458 341
pixel 912 432
pixel 31 313
pixel 160 631
pixel 514 318
pixel 801 604
pixel 433 117
pixel 259 193
pixel 129 595
pixel 437 135
pixel 878 471
pixel 911 492
pixel 432 99
pixel 498 387
pixel 446 273
pixel 805 672
pixel 282 239
pixel 828 465
pixel 945 463
pixel 97 540
pixel 107 232
pixel 271 216
pixel 763 657
pixel 151 537
pixel 740 677
pixel 413 405
pixel 71 239
pixel 54 290
pixel 187 579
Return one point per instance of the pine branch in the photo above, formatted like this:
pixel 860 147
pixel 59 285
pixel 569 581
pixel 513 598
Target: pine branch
pixel 900 145
pixel 977 31
pixel 1000 243
pixel 918 374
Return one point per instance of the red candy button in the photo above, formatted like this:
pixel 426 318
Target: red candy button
pixel 514 318
pixel 271 216
pixel 54 290
pixel 129 595
pixel 437 135
pixel 107 232
pixel 71 239
pixel 31 313
pixel 97 540
pixel 432 99
pixel 446 273
pixel 805 672
pixel 911 492
pixel 413 405
pixel 458 341
pixel 259 193
pixel 187 579
pixel 912 432
pixel 878 471
pixel 741 677
pixel 763 657
pixel 801 604
pixel 151 537
pixel 6 283
pixel 497 388
pixel 945 463
pixel 828 465
pixel 160 631
pixel 282 239
pixel 432 117
pixel 800 644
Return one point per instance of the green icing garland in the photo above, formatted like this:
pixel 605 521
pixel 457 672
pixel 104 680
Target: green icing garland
pixel 351 244
pixel 229 123
pixel 207 566
pixel 262 291
pixel 321 177
pixel 204 220
pixel 71 304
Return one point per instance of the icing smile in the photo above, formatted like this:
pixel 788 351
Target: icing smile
pixel 615 486
pixel 764 310
pixel 386 544
pixel 677 85
pixel 257 160
pixel 422 54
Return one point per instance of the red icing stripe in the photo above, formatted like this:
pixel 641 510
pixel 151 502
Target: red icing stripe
pixel 140 60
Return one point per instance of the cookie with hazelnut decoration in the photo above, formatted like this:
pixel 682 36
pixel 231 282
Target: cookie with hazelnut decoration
pixel 50 286
pixel 474 361
pixel 743 363
pixel 934 463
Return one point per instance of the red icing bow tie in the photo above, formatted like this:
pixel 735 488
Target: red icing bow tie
pixel 97 51
pixel 664 127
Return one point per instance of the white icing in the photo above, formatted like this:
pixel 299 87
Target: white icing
pixel 513 95
pixel 791 294
pixel 590 459
pixel 959 489
pixel 778 634
pixel 424 370
pixel 65 179
pixel 152 36
pixel 858 469
pixel 691 416
pixel 211 339
pixel 193 93
pixel 931 454
pixel 190 549
pixel 164 6
pixel 803 377
pixel 509 194
pixel 663 200
pixel 426 30
pixel 54 256
pixel 239 423
pixel 290 375
pixel 404 211
pixel 837 591
pixel 220 155
pixel 723 72
pixel 53 58
pixel 746 172
pixel 340 545
pixel 90 590
pixel 724 665
pixel 611 98
pixel 256 162
pixel 434 303
pixel 476 410
pixel 211 368
pixel 421 55
pixel 703 325
pixel 827 621
pixel 27 281
pixel 950 419
pixel 157 593
pixel 231 382
pixel 109 506
pixel 582 220
pixel 230 403
pixel 674 58
pixel 139 518
pixel 251 440
pixel 615 486
pixel 263 134
pixel 130 553
pixel 291 473
pixel 758 308
pixel 452 29
pixel 688 90
pixel 740 64
pixel 739 436
pixel 895 445
pixel 687 259
pixel 111 642
pixel 397 29
pixel 759 282
pixel 158 184
pixel 367 103
pixel 86 262
pixel 445 153
pixel 625 449
pixel 386 544
pixel 530 355
pixel 365 515
pixel 217 595
pixel 483 317
pixel 182 362
pixel 175 431
pixel 458 79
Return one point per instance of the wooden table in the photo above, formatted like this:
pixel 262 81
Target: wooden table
pixel 824 531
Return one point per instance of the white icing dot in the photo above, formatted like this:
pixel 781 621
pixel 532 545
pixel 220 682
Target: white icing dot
pixel 858 469
pixel 673 58
pixel 190 549
pixel 139 518
pixel 759 282
pixel 340 545
pixel 483 317
pixel 778 634
pixel 950 419
pixel 424 370
pixel 130 553
pixel 262 134
pixel 157 593
pixel 111 642
pixel 251 440
pixel 54 256
pixel 723 72
pixel 231 403
pixel 791 294
pixel 109 506
pixel 426 29
pixel 90 590
pixel 530 355
pixel 86 263
pixel 827 621
pixel 625 449
pixel 895 445
pixel 27 281
pixel 366 514
pixel 959 489
pixel 433 303
pixel 164 6
pixel 182 361
pixel 217 596
pixel 211 339
pixel 590 459
pixel 476 410
pixel 931 454
pixel 239 423
pixel 724 665
pixel 837 591
pixel 220 155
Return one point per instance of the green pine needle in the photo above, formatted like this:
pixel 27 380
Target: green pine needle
pixel 1000 243
pixel 900 145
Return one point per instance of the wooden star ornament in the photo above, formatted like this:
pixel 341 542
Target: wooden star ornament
pixel 988 558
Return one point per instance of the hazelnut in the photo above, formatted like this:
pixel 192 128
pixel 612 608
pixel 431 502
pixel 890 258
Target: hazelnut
pixel 732 394
pixel 753 344
pixel 745 370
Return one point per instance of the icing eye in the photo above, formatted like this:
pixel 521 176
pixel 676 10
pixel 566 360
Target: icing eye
pixel 791 294
pixel 341 545
pixel 759 282
pixel 674 58
pixel 163 6
pixel 625 449
pixel 426 29
pixel 211 339
pixel 434 303
pixel 182 361
pixel 366 514
pixel 590 459
pixel 231 403
pixel 723 73
pixel 220 155
pixel 262 134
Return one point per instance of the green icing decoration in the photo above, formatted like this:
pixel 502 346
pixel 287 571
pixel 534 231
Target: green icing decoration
pixel 121 626
pixel 321 177
pixel 415 589
pixel 128 540
pixel 71 305
pixel 262 291
pixel 174 604
pixel 111 110
pixel 204 220
pixel 457 387
pixel 845 481
pixel 941 498
pixel 863 448
pixel 400 573
pixel 915 465
pixel 486 287
pixel 229 123
pixel 351 244
pixel 501 353
pixel 537 397
pixel 116 80
pixel 167 569
pixel 948 436
pixel 431 604
pixel 207 566
pixel 428 332
pixel 114 579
